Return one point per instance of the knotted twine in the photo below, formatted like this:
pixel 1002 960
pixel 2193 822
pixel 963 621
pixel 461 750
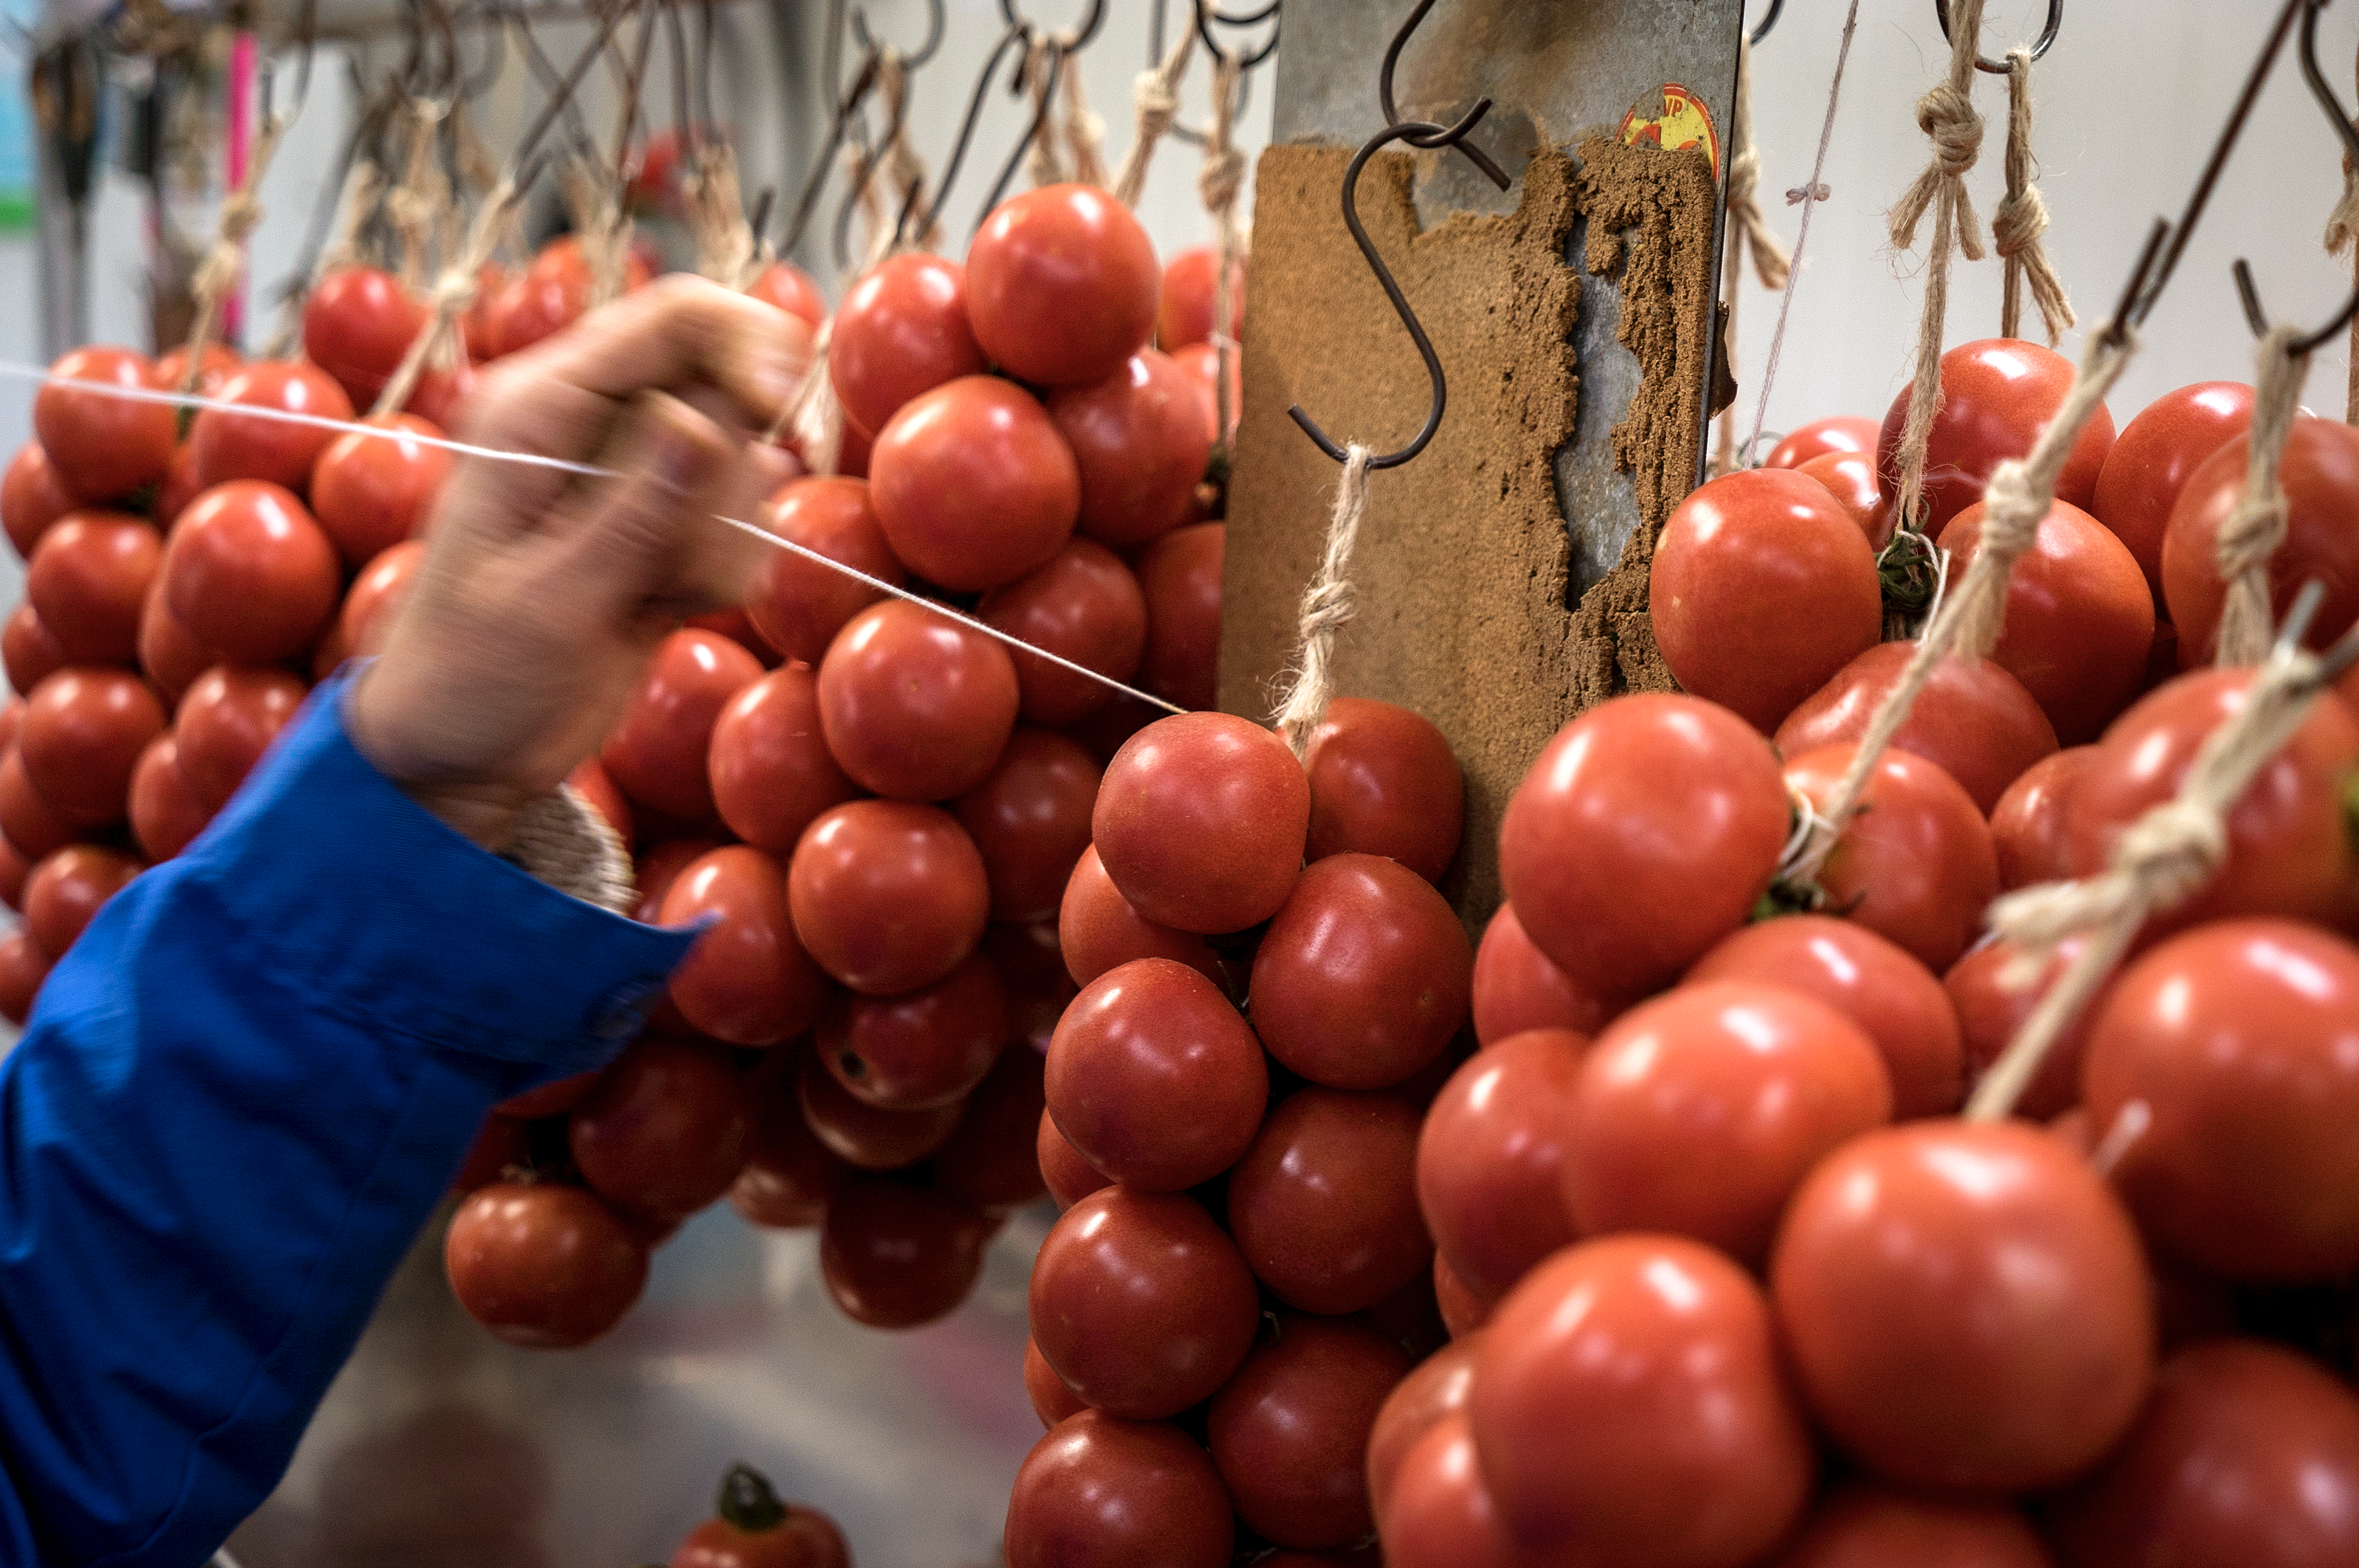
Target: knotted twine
pixel 1155 100
pixel 2022 217
pixel 1748 231
pixel 2341 234
pixel 453 296
pixel 224 263
pixel 1220 183
pixel 1946 114
pixel 716 216
pixel 2257 526
pixel 1042 164
pixel 1326 604
pixel 356 202
pixel 418 205
pixel 601 227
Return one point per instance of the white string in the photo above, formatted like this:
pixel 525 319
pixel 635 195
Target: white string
pixel 587 471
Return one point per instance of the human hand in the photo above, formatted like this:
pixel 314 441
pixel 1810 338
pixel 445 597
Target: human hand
pixel 543 593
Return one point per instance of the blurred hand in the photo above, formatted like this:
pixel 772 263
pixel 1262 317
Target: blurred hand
pixel 543 593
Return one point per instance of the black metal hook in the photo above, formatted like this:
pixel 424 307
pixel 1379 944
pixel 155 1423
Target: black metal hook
pixel 852 98
pixel 934 26
pixel 1057 52
pixel 2331 106
pixel 868 169
pixel 1081 35
pixel 1451 136
pixel 1206 17
pixel 1013 35
pixel 1982 62
pixel 1761 28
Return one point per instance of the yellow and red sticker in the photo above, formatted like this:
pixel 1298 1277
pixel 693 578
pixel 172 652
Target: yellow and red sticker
pixel 1674 119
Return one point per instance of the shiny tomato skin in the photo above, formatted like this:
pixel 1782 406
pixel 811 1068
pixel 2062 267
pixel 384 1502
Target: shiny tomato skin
pixel 1068 1176
pixel 1518 987
pixel 902 331
pixel 1865 1525
pixel 1030 818
pixel 87 582
pixel 746 981
pixel 30 650
pixel 32 496
pixel 358 323
pixel 770 765
pixel 1643 832
pixel 2079 619
pixel 542 1266
pixel 250 573
pixel 1997 395
pixel 799 606
pixel 2242 1039
pixel 1098 929
pixel 914 705
pixel 887 896
pixel 1976 721
pixel 2320 472
pixel 1434 1391
pixel 1084 605
pixel 1965 1304
pixel 65 891
pixel 165 814
pixel 1139 440
pixel 804 1539
pixel 790 1174
pixel 1916 864
pixel 370 492
pixel 1289 1431
pixel 1031 964
pixel 81 736
pixel 1850 478
pixel 104 447
pixel 791 290
pixel 1383 781
pixel 864 1137
pixel 1051 1400
pixel 532 305
pixel 1992 1010
pixel 31 826
pixel 1835 433
pixel 1096 1492
pixel 1692 1450
pixel 376 594
pixel 1489 1157
pixel 920 1050
pixel 1061 285
pixel 1323 1204
pixel 216 363
pixel 974 485
pixel 665 1131
pixel 2289 849
pixel 1762 588
pixel 1201 821
pixel 169 654
pixel 1184 313
pixel 2031 825
pixel 225 445
pixel 896 1255
pixel 23 969
pixel 992 1160
pixel 2155 456
pixel 658 748
pixel 1202 363
pixel 1180 575
pixel 227 721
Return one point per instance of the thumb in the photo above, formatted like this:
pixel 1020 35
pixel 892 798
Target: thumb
pixel 626 553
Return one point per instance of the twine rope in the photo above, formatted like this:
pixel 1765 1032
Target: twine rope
pixel 1220 183
pixel 1155 102
pixel 2250 536
pixel 418 205
pixel 453 297
pixel 1328 603
pixel 224 263
pixel 2021 219
pixel 1748 232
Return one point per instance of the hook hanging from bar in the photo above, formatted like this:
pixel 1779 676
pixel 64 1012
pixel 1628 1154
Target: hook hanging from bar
pixel 1761 28
pixel 1013 35
pixel 1453 136
pixel 2321 90
pixel 1082 34
pixel 934 23
pixel 1983 63
pixel 1206 16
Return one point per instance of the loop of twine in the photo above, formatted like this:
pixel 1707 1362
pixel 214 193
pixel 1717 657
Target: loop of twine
pixel 2250 536
pixel 1041 165
pixel 716 216
pixel 1748 230
pixel 454 294
pixel 2022 217
pixel 418 205
pixel 1326 605
pixel 1220 183
pixel 1155 99
pixel 1084 131
pixel 224 263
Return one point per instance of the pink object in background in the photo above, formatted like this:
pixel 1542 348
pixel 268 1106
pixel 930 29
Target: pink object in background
pixel 245 63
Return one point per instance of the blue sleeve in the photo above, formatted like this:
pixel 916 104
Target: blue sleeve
pixel 240 1096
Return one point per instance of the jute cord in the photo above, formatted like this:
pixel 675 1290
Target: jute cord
pixel 1154 101
pixel 2255 528
pixel 453 296
pixel 224 263
pixel 1220 183
pixel 1748 232
pixel 2021 219
pixel 1327 606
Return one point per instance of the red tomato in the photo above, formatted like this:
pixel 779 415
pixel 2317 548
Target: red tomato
pixel 658 748
pixel 23 969
pixel 972 484
pixel 1865 1525
pixel 1977 722
pixel 542 1266
pixel 1068 1176
pixel 1032 967
pixel 1096 1492
pixel 1141 447
pixel 502 1146
pixel 181 485
pixel 534 304
pixel 1099 929
pixel 1323 1204
pixel 665 1131
pixel 373 492
pixel 1191 286
pixel 32 828
pixel 790 1174
pixel 1996 396
pixel 791 290
pixel 1051 1400
pixel 1692 1451
pixel 1061 285
pixel 887 896
pixel 2242 1040
pixel 755 1530
pixel 169 653
pixel 224 444
pixel 990 1160
pixel 799 605
pixel 1084 605
pixel 921 1050
pixel 1201 821
pixel 1642 835
pixel 1432 1394
pixel 896 1255
pixel 226 722
pixel 1850 478
pixel 1762 588
pixel 1893 998
pixel 551 1099
pixel 2288 852
pixel 81 736
pixel 32 496
pixel 1517 987
pixel 64 893
pixel 86 582
pixel 2157 453
pixel 1836 433
pixel 358 322
pixel 1965 1304
pixel 1916 864
pixel 2030 827
pixel 250 573
pixel 104 447
pixel 440 392
pixel 770 768
pixel 1383 781
pixel 1030 818
pixel 1180 575
pixel 28 648
pixel 2320 473
pixel 475 326
pixel 216 363
pixel 746 981
pixel 1489 1156
pixel 1363 975
pixel 659 865
pixel 1202 363
pixel 2079 619
pixel 1290 1432
pixel 2247 1453
pixel 865 1137
pixel 1463 1312
pixel 165 812
pixel 902 331
pixel 1153 1078
pixel 913 705
pixel 1991 1012
pixel 377 593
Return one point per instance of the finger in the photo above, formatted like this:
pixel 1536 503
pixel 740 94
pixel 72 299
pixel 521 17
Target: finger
pixel 627 551
pixel 721 563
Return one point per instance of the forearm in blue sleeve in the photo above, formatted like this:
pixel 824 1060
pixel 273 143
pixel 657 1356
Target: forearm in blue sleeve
pixel 240 1096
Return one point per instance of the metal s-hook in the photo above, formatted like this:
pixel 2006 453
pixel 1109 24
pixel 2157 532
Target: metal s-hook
pixel 934 26
pixel 1982 62
pixel 1206 16
pixel 2331 106
pixel 1440 136
pixel 1082 34
pixel 1761 28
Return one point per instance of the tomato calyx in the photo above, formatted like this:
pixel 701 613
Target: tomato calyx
pixel 748 1502
pixel 1911 568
